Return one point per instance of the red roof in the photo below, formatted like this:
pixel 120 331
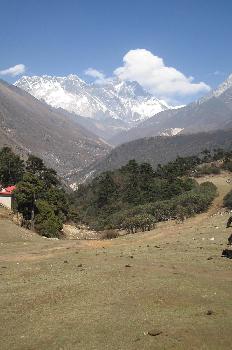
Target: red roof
pixel 8 190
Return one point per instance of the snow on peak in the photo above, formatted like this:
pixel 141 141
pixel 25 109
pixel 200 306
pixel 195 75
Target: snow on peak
pixel 171 132
pixel 223 87
pixel 124 100
pixel 218 91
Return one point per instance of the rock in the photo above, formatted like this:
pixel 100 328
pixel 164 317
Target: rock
pixel 154 332
pixel 80 265
pixel 127 265
pixel 65 261
pixel 209 312
pixel 79 232
pixel 227 253
pixel 210 258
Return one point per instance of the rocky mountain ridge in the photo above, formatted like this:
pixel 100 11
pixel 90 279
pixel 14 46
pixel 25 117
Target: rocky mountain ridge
pixel 212 112
pixel 124 102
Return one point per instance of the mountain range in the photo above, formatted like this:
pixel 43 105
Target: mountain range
pixel 209 113
pixel 110 107
pixel 75 145
pixel 31 126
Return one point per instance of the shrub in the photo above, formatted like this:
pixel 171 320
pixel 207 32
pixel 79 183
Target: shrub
pixel 207 169
pixel 109 234
pixel 228 165
pixel 227 201
pixel 46 222
pixel 141 222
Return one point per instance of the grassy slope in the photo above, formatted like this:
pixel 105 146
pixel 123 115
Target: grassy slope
pixel 170 286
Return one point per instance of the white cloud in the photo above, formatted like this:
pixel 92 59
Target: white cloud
pixel 14 71
pixel 99 77
pixel 94 73
pixel 162 81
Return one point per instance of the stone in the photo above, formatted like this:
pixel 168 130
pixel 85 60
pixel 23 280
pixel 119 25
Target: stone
pixel 209 312
pixel 154 332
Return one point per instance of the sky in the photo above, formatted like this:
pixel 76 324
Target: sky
pixel 177 50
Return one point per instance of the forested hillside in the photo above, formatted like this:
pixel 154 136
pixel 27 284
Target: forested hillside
pixel 158 150
pixel 135 196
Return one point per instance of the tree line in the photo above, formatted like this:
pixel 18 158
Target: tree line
pixel 134 197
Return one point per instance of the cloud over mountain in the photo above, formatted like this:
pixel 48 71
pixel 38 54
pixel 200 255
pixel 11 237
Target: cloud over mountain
pixel 14 71
pixel 162 81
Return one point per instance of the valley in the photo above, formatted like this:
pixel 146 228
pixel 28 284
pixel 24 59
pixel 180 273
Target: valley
pixel 115 175
pixel 114 293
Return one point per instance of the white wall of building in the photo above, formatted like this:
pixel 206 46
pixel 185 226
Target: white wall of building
pixel 6 201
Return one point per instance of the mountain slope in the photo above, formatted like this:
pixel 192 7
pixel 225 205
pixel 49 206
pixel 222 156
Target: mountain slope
pixel 125 102
pixel 212 112
pixel 159 150
pixel 29 125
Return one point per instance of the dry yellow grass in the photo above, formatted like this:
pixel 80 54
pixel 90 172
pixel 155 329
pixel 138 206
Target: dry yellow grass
pixel 80 294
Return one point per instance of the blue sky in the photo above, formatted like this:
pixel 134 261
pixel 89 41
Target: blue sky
pixel 62 37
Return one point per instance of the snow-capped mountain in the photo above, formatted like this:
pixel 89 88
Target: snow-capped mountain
pixel 121 100
pixel 212 112
pixel 227 84
pixel 223 87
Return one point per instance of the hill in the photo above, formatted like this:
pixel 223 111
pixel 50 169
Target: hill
pixel 158 150
pixel 31 126
pixel 210 113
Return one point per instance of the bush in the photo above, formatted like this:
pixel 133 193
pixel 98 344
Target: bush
pixel 207 169
pixel 228 165
pixel 109 234
pixel 46 222
pixel 228 200
pixel 141 222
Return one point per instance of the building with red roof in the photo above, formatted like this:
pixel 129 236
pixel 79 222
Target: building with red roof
pixel 6 195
